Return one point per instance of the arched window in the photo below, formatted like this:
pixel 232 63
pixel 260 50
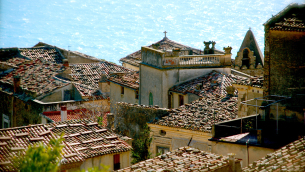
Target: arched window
pixel 151 99
pixel 246 59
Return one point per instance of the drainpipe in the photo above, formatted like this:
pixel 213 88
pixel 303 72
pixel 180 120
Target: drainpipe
pixel 247 142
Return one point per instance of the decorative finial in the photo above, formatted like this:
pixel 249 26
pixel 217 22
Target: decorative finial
pixel 249 28
pixel 165 33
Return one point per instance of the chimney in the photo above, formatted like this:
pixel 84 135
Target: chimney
pixel 213 47
pixel 110 121
pixel 63 113
pixel 227 50
pixel 66 63
pixel 231 161
pixel 176 52
pixel 16 84
pixel 207 47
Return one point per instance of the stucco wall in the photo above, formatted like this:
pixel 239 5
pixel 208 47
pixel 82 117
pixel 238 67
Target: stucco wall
pixel 151 81
pixel 255 152
pixel 58 94
pixel 247 93
pixel 107 160
pixel 129 66
pixel 116 96
pixel 158 81
pixel 175 99
pixel 187 74
pixel 177 137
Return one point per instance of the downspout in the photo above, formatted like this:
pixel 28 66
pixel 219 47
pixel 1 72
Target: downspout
pixel 247 142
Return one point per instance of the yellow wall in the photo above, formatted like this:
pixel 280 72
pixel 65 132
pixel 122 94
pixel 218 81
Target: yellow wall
pixel 255 152
pixel 246 93
pixel 176 138
pixel 116 96
pixel 107 160
pixel 129 66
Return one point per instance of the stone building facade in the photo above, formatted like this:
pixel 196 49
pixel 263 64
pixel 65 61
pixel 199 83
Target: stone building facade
pixel 284 65
pixel 162 69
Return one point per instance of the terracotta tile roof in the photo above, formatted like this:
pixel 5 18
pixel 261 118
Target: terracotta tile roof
pixel 289 158
pixel 201 114
pixel 14 140
pixel 182 159
pixel 14 61
pixel 212 83
pixel 55 116
pixel 131 79
pixel 91 73
pixel 290 24
pixel 88 138
pixel 42 44
pixel 165 43
pixel 36 76
pixel 253 82
pixel 48 54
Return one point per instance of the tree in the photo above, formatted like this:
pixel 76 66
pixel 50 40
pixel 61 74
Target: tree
pixel 141 144
pixel 39 157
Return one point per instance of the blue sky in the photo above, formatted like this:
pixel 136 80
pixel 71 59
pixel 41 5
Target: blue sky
pixel 112 29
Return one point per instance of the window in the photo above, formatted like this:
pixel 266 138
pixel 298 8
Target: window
pixel 6 121
pixel 181 100
pixel 137 94
pixel 162 150
pixel 122 90
pixel 162 132
pixel 116 162
pixel 246 59
pixel 151 99
pixel 67 95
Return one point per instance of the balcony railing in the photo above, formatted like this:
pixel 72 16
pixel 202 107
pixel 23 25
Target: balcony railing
pixel 203 60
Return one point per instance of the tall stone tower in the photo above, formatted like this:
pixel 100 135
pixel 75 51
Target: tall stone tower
pixel 284 67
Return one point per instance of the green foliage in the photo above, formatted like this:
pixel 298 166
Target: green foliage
pixel 100 120
pixel 39 157
pixel 104 168
pixel 141 145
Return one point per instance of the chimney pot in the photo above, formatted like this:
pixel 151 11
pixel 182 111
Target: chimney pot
pixel 227 50
pixel 110 121
pixel 207 47
pixel 63 113
pixel 232 161
pixel 16 84
pixel 66 62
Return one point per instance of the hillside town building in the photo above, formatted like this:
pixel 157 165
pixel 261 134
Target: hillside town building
pixel 86 144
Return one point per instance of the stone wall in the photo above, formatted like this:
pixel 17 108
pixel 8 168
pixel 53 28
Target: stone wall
pixel 284 62
pixel 129 119
pixel 20 112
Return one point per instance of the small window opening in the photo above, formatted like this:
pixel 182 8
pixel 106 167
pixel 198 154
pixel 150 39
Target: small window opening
pixel 122 90
pixel 162 132
pixel 181 100
pixel 137 94
pixel 246 59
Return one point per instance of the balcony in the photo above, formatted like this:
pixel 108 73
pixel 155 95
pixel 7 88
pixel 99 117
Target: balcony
pixel 158 58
